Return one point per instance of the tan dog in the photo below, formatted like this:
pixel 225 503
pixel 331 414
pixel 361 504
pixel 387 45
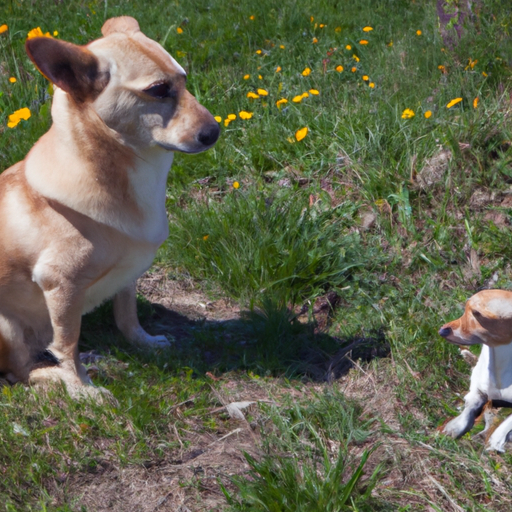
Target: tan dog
pixel 487 319
pixel 83 215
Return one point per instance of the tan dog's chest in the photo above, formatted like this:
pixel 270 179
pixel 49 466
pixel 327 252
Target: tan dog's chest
pixel 126 270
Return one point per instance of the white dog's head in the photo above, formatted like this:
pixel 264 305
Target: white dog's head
pixel 487 319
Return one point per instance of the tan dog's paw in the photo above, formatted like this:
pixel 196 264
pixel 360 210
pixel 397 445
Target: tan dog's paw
pixel 97 394
pixel 76 388
pixel 141 337
pixel 52 374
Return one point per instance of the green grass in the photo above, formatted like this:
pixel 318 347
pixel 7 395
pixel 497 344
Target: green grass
pixel 289 234
pixel 311 479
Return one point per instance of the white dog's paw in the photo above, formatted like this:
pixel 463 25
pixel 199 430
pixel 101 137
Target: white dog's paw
pixel 500 437
pixel 496 443
pixel 457 427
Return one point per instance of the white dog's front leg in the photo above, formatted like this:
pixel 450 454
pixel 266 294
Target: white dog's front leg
pixel 474 401
pixel 500 436
pixel 125 313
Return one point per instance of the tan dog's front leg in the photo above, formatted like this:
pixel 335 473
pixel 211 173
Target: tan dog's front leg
pixel 125 313
pixel 65 310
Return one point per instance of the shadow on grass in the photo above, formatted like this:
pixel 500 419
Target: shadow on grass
pixel 266 341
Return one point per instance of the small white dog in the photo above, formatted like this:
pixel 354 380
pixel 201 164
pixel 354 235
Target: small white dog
pixel 487 319
pixel 82 216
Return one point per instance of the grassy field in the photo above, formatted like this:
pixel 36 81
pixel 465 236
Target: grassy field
pixel 360 192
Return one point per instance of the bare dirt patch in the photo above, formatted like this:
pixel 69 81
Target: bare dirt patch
pixel 186 479
pixel 186 484
pixel 184 298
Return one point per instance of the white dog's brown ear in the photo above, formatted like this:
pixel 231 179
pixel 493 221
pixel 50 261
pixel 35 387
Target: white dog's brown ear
pixel 72 68
pixel 124 24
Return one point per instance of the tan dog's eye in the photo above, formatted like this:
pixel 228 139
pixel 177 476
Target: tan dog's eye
pixel 159 91
pixel 476 313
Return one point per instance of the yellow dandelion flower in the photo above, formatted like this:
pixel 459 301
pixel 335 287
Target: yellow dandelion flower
pixel 251 17
pixel 337 29
pixel 297 99
pixel 372 85
pixel 339 69
pixel 245 115
pixel 231 117
pixel 453 102
pixel 322 25
pixel 484 73
pixel 471 64
pixel 246 77
pixel 305 95
pixel 315 40
pixel 356 58
pixel 3 28
pixel 306 72
pixel 367 29
pixel 282 46
pixel 37 32
pixel 218 119
pixel 418 32
pixel 278 69
pixel 252 95
pixel 441 68
pixel 475 103
pixel 262 92
pixel 314 92
pixel 205 237
pixel 16 117
pixel 236 185
pixel 354 69
pixel 366 78
pixel 12 80
pixel 259 52
pixel 407 113
pixel 301 133
pixel 348 47
pixel 280 102
pixel 55 33
pixel 363 42
pixel 311 19
pixel 428 114
pixel 226 122
pixel 390 43
pixel 179 30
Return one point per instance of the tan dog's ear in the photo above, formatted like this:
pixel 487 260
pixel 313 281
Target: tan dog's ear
pixel 124 24
pixel 72 68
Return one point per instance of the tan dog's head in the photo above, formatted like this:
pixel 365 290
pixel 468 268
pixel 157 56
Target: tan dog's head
pixel 487 319
pixel 132 84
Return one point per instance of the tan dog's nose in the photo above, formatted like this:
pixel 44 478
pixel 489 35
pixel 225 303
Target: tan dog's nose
pixel 209 134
